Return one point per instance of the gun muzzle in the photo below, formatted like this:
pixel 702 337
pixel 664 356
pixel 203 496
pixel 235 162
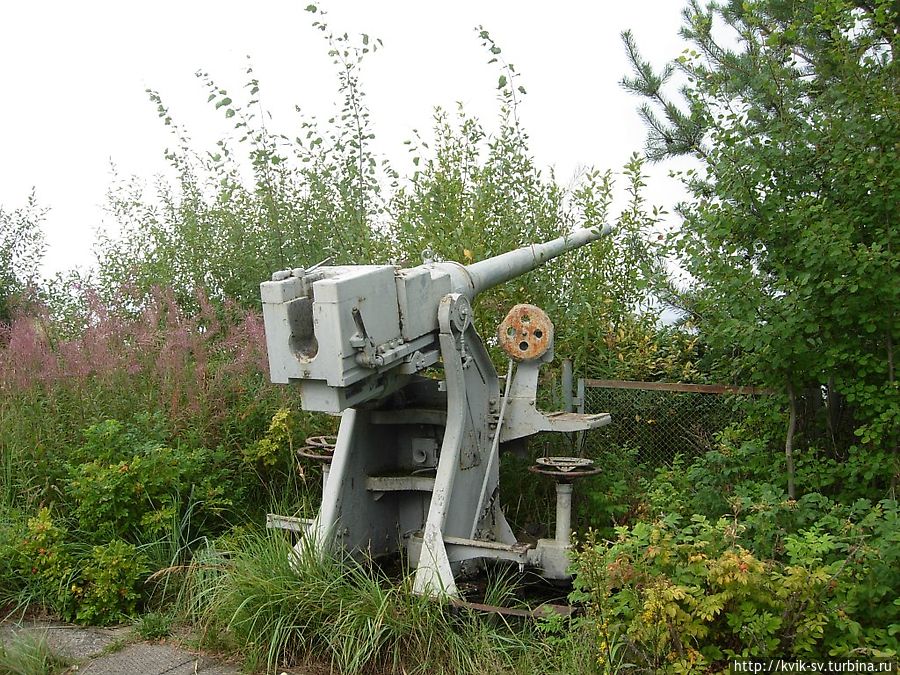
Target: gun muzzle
pixel 471 280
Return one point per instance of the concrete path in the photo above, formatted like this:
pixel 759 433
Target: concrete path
pixel 155 659
pixel 101 651
pixel 74 643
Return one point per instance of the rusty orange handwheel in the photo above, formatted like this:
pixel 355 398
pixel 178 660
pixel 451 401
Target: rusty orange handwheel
pixel 526 333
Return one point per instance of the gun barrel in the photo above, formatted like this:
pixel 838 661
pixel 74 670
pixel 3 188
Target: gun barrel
pixel 491 272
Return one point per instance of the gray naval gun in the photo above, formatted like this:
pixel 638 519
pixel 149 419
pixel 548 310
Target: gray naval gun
pixel 414 468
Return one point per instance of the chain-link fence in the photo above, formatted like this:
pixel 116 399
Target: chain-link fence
pixel 657 420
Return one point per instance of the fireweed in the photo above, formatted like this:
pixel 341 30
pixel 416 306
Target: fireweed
pixel 200 377
pixel 192 369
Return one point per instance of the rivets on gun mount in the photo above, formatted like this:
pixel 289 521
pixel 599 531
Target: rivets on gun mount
pixel 526 333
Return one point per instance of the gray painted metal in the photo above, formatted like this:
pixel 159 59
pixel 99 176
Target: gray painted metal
pixel 523 419
pixel 345 333
pixel 499 269
pixel 416 464
pixel 564 513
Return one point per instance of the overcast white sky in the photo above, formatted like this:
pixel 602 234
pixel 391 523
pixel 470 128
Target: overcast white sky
pixel 74 75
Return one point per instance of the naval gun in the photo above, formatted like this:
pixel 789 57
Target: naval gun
pixel 415 464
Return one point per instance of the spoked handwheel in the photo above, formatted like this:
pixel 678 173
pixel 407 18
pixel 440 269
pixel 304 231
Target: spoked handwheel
pixel 319 448
pixel 564 469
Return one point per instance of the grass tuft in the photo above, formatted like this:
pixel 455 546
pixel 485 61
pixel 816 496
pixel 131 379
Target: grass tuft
pixel 29 654
pixel 155 626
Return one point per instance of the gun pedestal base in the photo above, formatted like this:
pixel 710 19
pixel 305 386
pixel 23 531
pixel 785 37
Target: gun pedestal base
pixel 563 470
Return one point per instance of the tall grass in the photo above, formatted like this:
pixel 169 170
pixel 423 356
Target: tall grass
pixel 283 609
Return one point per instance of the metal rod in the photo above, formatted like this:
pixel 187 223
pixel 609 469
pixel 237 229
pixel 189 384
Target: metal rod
pixel 495 449
pixel 563 513
pixel 567 379
pixel 579 401
pixel 678 386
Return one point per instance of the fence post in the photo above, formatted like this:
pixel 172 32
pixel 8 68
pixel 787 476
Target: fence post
pixel 578 440
pixel 568 400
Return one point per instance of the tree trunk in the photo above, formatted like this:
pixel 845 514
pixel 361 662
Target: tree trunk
pixel 789 441
pixel 890 360
pixel 834 404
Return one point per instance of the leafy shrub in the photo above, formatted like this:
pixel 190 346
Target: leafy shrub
pixel 108 587
pixel 276 447
pixel 97 586
pixel 41 547
pixel 610 498
pixel 855 474
pixel 687 595
pixel 112 440
pixel 867 537
pixel 45 561
pixel 139 495
pixel 743 476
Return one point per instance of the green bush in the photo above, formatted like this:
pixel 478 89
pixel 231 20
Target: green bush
pixel 686 595
pixel 138 497
pixel 275 448
pixel 108 588
pixel 743 477
pixel 95 586
pixel 612 497
pixel 45 562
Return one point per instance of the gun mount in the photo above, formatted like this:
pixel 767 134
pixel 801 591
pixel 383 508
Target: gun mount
pixel 415 466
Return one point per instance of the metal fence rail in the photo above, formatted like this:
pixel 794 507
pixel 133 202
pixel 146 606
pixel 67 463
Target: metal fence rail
pixel 659 420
